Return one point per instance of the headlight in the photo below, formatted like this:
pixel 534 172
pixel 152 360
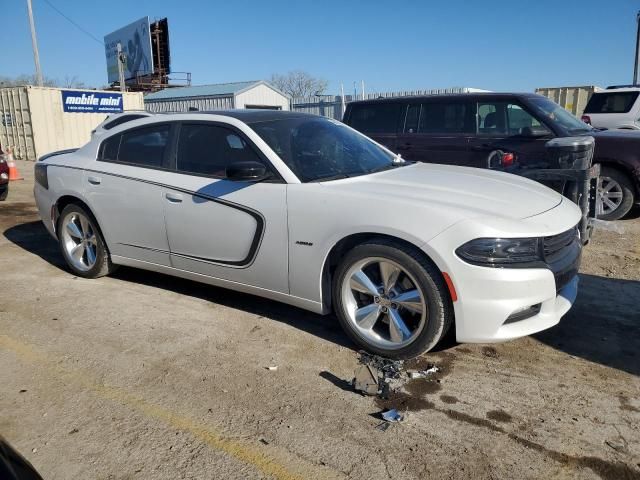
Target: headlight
pixel 502 252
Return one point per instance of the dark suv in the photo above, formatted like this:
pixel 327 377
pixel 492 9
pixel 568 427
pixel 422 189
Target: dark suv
pixel 468 129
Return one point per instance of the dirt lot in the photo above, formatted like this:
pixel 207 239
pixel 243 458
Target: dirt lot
pixel 140 375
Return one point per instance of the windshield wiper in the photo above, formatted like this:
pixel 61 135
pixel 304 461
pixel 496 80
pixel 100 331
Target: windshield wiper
pixel 337 176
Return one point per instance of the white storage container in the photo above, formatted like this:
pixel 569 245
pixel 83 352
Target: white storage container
pixel 35 121
pixel 573 99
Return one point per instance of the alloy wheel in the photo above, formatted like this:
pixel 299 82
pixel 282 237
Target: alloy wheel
pixel 609 195
pixel 383 302
pixel 79 241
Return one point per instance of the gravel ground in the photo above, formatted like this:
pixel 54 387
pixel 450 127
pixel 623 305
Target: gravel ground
pixel 139 375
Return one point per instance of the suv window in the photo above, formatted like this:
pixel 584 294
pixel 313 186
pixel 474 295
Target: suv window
pixel 503 119
pixel 450 117
pixel 611 102
pixel 378 118
pixel 144 147
pixel 210 149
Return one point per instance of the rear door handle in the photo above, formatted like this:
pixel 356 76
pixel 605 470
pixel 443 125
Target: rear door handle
pixel 173 197
pixel 94 180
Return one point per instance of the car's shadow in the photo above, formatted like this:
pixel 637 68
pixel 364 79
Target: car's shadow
pixel 33 237
pixel 603 326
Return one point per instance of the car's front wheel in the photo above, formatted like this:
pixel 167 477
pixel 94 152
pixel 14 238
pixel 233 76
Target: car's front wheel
pixel 82 244
pixel 391 300
pixel 615 195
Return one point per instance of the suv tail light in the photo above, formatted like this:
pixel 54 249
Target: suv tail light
pixel 508 159
pixel 586 119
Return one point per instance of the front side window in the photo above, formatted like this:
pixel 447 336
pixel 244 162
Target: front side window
pixel 145 147
pixel 611 102
pixel 209 149
pixel 375 118
pixel 504 119
pixel 322 149
pixel 554 113
pixel 446 118
pixel 411 122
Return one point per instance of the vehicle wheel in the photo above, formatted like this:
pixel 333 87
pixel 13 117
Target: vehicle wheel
pixel 3 194
pixel 82 244
pixel 615 195
pixel 391 300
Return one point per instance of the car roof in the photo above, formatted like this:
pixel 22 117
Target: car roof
pixel 446 96
pixel 256 115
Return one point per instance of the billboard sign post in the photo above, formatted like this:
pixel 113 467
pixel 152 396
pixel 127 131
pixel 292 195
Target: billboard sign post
pixel 135 39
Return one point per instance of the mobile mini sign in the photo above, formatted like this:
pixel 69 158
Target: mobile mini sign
pixel 91 102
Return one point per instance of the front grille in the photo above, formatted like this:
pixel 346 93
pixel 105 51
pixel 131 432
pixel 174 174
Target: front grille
pixel 556 246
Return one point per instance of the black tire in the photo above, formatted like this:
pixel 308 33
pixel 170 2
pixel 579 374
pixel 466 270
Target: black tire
pixel 628 193
pixel 432 285
pixel 103 265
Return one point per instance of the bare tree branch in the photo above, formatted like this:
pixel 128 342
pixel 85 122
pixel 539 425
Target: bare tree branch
pixel 299 84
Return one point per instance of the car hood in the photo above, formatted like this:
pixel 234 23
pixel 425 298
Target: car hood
pixel 473 192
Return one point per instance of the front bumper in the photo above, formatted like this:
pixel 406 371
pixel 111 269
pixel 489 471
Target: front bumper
pixel 491 301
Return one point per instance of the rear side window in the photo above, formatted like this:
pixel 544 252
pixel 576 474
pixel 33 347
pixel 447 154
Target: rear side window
pixel 611 102
pixel 122 119
pixel 145 147
pixel 375 118
pixel 445 117
pixel 210 149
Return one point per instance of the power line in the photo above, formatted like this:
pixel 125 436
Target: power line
pixel 74 23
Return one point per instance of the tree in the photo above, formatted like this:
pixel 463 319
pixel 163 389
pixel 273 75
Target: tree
pixel 20 80
pixel 73 82
pixel 299 84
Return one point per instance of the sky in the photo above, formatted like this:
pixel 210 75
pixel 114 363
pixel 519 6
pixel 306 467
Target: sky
pixel 391 45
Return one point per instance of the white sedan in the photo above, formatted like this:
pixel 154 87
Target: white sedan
pixel 305 210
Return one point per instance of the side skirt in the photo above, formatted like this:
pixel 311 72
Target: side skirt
pixel 315 307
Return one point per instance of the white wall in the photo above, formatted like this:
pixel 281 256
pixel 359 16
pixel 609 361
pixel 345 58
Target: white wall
pixel 261 95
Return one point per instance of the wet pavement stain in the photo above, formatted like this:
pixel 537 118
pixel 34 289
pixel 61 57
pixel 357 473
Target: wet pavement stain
pixel 605 469
pixel 448 399
pixel 499 416
pixel 404 402
pixel 422 386
pixel 490 352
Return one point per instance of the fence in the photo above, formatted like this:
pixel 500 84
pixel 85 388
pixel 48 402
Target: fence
pixel 331 105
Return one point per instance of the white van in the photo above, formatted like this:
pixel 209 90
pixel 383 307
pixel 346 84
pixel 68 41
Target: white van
pixel 615 107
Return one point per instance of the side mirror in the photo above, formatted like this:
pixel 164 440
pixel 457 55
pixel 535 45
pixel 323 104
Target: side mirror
pixel 247 172
pixel 534 132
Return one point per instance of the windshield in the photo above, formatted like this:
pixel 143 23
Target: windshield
pixel 556 114
pixel 318 149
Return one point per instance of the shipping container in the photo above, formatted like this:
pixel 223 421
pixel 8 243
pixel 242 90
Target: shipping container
pixel 35 121
pixel 573 99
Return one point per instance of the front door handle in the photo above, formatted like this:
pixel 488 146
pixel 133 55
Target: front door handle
pixel 94 180
pixel 173 197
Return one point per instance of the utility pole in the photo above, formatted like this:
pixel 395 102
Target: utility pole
pixel 635 63
pixel 122 58
pixel 34 43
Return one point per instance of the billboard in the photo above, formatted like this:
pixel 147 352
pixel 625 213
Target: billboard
pixel 91 102
pixel 135 40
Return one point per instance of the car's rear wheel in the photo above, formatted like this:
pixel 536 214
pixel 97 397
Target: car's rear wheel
pixel 82 244
pixel 615 194
pixel 391 300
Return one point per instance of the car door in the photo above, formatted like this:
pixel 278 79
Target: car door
pixel 124 190
pixel 220 228
pixel 438 131
pixel 500 127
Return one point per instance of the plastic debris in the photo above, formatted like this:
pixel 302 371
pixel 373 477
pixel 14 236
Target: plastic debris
pixel 392 416
pixel 423 373
pixel 366 380
pixel 272 368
